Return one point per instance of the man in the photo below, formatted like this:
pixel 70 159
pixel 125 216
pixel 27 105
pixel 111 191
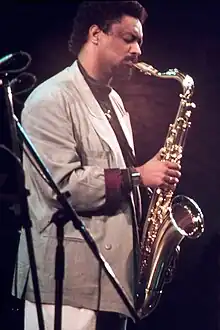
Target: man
pixel 80 128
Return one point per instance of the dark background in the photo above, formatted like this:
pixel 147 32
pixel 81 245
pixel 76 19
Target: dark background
pixel 177 34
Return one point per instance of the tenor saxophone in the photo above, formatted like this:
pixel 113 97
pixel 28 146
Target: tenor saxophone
pixel 169 219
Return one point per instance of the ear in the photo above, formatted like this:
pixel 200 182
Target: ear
pixel 94 34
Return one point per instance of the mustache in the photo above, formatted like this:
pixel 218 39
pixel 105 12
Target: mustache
pixel 132 58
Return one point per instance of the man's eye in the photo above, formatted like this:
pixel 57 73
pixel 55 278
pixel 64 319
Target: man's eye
pixel 128 40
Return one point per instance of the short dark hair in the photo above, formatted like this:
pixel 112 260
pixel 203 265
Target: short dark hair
pixel 103 14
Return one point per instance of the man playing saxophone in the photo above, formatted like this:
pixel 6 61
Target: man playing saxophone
pixel 80 127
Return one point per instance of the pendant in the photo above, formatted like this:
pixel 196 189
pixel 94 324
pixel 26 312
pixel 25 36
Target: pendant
pixel 108 114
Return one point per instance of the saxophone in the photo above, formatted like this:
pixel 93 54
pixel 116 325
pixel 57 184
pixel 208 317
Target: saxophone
pixel 169 220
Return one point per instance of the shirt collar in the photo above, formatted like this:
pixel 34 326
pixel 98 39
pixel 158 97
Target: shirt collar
pixel 100 89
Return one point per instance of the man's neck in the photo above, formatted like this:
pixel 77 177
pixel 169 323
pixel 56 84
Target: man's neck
pixel 93 68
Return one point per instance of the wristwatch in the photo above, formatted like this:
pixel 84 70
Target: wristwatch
pixel 135 177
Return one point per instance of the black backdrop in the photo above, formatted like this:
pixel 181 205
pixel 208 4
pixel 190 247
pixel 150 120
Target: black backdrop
pixel 177 34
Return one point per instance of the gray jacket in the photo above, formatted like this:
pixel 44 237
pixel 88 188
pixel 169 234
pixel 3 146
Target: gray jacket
pixel 75 140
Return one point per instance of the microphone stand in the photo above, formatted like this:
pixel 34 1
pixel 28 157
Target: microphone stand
pixel 66 214
pixel 58 219
pixel 22 193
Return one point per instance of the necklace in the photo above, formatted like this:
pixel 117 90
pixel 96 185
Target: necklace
pixel 108 114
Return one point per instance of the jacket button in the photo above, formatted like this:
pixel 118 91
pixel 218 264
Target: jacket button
pixel 108 246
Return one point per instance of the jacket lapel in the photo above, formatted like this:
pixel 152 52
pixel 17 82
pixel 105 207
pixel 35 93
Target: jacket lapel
pixel 123 117
pixel 98 118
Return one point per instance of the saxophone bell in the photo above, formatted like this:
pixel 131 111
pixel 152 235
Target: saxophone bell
pixel 187 216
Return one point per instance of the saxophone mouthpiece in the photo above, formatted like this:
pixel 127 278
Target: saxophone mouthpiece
pixel 146 68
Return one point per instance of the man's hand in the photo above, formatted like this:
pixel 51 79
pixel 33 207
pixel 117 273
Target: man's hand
pixel 156 173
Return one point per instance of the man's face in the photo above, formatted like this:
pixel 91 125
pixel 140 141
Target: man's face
pixel 120 47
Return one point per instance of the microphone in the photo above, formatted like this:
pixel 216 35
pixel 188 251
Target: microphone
pixel 11 56
pixel 6 58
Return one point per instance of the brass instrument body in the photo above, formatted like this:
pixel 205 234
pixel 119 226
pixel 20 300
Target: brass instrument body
pixel 169 219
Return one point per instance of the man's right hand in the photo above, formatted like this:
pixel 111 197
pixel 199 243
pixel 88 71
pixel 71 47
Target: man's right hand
pixel 156 173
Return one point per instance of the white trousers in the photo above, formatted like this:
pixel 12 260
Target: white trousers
pixel 72 318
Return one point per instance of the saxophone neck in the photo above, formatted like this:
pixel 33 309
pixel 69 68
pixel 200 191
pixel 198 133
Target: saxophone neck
pixel 185 80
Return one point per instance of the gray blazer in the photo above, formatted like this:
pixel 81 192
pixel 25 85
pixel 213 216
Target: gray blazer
pixel 74 139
